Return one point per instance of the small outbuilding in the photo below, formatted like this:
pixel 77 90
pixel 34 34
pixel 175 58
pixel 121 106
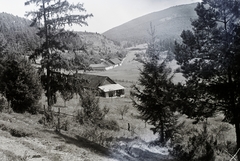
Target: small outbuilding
pixel 111 90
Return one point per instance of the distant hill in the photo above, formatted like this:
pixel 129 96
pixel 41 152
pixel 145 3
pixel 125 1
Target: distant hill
pixel 100 47
pixel 21 38
pixel 168 24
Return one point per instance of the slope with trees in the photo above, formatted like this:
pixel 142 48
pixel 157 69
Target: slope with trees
pixel 209 60
pixel 100 47
pixel 20 36
pixel 19 81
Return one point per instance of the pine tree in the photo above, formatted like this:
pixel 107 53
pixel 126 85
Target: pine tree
pixel 20 84
pixel 209 56
pixel 153 96
pixel 51 18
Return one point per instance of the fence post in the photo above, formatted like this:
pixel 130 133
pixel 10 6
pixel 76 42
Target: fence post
pixel 44 115
pixel 58 126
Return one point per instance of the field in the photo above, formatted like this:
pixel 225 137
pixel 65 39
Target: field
pixel 24 137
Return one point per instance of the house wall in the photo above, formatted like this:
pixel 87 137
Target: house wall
pixel 117 93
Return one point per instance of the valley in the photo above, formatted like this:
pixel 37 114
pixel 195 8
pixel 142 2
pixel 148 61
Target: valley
pixel 38 142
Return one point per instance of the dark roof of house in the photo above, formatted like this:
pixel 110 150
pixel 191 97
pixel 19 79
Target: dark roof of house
pixel 94 81
pixel 115 61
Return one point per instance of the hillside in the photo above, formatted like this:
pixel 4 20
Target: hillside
pixel 17 34
pixel 168 23
pixel 100 47
pixel 19 37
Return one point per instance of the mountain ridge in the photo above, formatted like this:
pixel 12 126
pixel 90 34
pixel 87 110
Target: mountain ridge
pixel 168 23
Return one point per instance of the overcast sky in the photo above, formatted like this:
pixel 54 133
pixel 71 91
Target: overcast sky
pixel 107 13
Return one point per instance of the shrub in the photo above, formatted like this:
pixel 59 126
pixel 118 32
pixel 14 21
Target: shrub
pixel 123 110
pixel 79 117
pixel 97 135
pixel 65 125
pixel 91 112
pixel 109 125
pixel 15 131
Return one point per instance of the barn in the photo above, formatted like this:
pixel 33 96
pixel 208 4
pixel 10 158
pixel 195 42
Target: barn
pixel 106 64
pixel 116 62
pixel 105 86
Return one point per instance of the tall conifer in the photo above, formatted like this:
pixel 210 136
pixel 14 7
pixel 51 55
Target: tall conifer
pixel 153 96
pixel 51 18
pixel 209 56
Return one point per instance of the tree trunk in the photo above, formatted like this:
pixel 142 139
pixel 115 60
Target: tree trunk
pixel 162 139
pixel 49 100
pixel 48 89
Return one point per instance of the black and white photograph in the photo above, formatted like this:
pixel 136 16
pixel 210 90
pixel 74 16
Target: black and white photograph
pixel 120 80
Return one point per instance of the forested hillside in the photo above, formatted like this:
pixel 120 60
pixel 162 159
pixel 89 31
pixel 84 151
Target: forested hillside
pixel 17 34
pixel 168 24
pixel 19 37
pixel 100 47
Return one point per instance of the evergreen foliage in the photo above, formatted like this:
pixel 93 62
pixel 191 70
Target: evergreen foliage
pixel 91 111
pixel 209 56
pixel 153 96
pixel 20 84
pixel 51 18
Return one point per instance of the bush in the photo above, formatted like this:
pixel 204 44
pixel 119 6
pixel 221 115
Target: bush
pixel 98 136
pixel 80 116
pixel 109 125
pixel 65 125
pixel 91 113
pixel 15 131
